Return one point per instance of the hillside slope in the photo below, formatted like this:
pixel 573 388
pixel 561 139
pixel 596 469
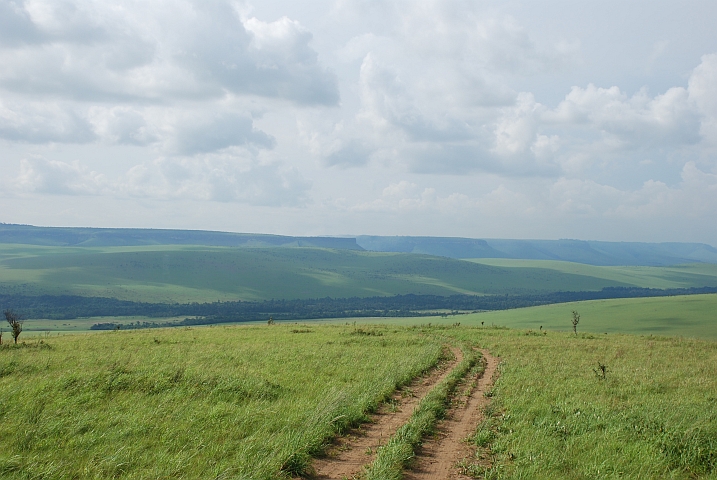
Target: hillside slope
pixel 587 252
pixel 115 237
pixel 186 274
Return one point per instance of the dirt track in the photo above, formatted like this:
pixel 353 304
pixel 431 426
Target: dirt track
pixel 439 456
pixel 348 456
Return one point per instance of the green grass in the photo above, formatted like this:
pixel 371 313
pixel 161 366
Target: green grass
pixel 692 316
pixel 42 326
pixel 689 316
pixel 255 402
pixel 219 402
pixel 679 276
pixel 206 274
pixel 551 416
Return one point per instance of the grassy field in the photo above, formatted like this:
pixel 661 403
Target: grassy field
pixel 679 276
pixel 221 402
pixel 206 274
pixel 254 402
pixel 35 327
pixel 552 416
pixel 690 316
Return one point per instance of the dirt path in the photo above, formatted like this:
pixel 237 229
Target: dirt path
pixel 438 457
pixel 347 457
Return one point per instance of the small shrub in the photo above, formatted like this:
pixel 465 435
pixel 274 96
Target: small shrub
pixel 600 371
pixel 15 321
pixel 575 321
pixel 367 333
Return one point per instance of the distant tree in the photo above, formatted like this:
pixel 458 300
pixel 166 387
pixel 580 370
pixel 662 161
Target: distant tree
pixel 576 320
pixel 15 321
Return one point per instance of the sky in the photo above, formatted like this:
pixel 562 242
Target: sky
pixel 593 120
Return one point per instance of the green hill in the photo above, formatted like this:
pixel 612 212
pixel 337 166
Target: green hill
pixel 580 251
pixel 190 273
pixel 116 237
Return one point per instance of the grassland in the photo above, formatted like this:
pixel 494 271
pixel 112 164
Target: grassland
pixel 222 402
pixel 678 276
pixel 651 416
pixel 693 316
pixel 690 316
pixel 206 274
pixel 254 402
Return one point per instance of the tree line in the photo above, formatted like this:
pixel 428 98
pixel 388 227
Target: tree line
pixel 67 307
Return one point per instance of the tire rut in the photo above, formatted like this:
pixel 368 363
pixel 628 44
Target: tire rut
pixel 439 456
pixel 350 453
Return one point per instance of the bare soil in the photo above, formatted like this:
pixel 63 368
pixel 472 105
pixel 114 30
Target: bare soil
pixel 440 455
pixel 350 453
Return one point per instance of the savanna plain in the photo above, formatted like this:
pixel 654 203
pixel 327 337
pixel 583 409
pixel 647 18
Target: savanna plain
pixel 260 401
pixel 630 393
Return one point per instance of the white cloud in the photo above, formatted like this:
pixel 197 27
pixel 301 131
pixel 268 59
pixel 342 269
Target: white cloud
pixel 218 178
pixel 562 200
pixel 129 51
pixel 669 118
pixel 221 178
pixel 703 91
pixel 39 175
pixel 43 122
pixel 352 153
pixel 516 130
pixel 433 92
pixel 192 135
pixel 506 115
pixel 123 125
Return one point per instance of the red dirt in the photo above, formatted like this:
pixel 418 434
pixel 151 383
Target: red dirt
pixel 349 455
pixel 440 455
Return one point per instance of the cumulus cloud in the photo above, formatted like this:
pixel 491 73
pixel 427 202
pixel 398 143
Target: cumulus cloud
pixel 353 153
pixel 668 118
pixel 193 135
pixel 458 107
pixel 406 197
pixel 126 51
pixel 216 178
pixel 567 199
pixel 435 96
pixel 123 125
pixel 39 175
pixel 43 122
pixel 703 91
pixel 219 178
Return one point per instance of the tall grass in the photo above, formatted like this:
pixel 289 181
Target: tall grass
pixel 554 415
pixel 229 402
